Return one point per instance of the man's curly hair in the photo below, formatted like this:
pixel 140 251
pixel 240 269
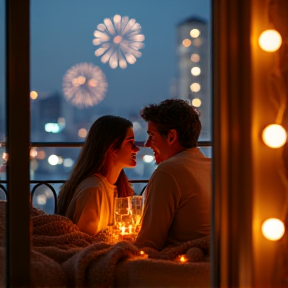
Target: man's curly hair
pixel 175 114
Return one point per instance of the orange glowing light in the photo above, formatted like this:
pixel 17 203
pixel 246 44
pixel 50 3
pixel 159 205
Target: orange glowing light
pixel 41 155
pixel 186 43
pixel 122 230
pixel 195 57
pixel 183 259
pixel 33 95
pixel 5 156
pixel 117 39
pixel 82 132
pixel 33 152
pixel 142 252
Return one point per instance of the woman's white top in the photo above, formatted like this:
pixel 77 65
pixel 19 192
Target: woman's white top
pixel 92 207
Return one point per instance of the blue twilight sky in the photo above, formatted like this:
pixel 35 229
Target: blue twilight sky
pixel 62 34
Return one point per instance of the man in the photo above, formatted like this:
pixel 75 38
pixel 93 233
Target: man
pixel 178 195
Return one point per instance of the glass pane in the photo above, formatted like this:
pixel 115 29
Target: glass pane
pixel 44 198
pixel 72 84
pixel 56 163
pixel 3 155
pixel 207 151
pixel 66 98
pixel 2 73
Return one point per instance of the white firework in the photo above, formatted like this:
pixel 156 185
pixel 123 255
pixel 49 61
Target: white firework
pixel 84 85
pixel 119 41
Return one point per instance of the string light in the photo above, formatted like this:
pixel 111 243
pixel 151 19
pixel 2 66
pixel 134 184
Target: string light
pixel 270 40
pixel 273 229
pixel 274 136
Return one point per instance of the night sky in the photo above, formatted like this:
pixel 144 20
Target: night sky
pixel 62 34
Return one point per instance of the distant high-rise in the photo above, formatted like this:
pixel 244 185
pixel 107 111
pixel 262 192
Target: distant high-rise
pixel 193 55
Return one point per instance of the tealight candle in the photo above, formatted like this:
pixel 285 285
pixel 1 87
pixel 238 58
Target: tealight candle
pixel 122 230
pixel 182 258
pixel 143 255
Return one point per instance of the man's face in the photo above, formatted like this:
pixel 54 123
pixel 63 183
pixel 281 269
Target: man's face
pixel 158 143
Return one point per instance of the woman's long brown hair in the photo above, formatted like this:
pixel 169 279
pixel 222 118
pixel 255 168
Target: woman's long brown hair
pixel 107 133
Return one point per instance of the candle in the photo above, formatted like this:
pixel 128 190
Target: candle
pixel 182 258
pixel 143 255
pixel 122 230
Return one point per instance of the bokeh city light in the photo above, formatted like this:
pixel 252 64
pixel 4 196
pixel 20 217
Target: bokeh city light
pixel 84 85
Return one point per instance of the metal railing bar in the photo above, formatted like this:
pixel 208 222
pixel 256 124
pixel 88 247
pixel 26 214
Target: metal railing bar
pixel 51 188
pixel 4 190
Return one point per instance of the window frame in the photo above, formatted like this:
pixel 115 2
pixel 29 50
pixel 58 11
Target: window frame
pixel 231 44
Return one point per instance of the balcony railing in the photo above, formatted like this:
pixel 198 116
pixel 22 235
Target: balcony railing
pixel 49 183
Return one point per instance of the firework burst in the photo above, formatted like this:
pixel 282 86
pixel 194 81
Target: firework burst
pixel 84 85
pixel 119 41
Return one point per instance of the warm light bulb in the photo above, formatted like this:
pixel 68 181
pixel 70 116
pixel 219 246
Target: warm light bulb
pixel 273 229
pixel 270 40
pixel 274 136
pixel 122 230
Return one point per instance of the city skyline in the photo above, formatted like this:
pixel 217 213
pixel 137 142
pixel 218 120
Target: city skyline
pixel 62 35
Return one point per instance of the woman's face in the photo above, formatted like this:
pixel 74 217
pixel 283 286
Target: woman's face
pixel 126 154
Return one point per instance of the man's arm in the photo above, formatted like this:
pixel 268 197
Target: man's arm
pixel 160 207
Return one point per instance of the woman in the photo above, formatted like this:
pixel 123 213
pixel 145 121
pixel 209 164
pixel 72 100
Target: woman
pixel 87 197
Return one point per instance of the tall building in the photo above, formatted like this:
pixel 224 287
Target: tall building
pixel 193 56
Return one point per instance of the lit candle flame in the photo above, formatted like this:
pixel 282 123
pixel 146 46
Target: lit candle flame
pixel 143 255
pixel 183 259
pixel 123 230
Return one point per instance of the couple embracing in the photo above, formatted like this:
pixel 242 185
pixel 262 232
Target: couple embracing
pixel 178 195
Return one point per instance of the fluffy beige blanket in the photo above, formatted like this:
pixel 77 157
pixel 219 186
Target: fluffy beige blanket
pixel 63 256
